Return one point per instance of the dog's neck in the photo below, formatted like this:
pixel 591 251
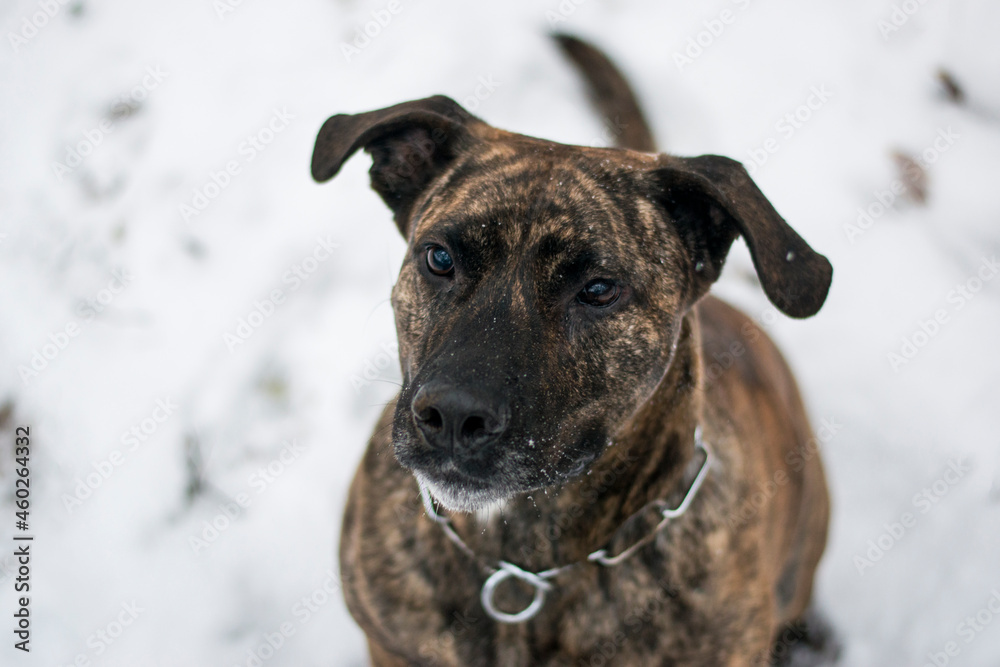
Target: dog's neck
pixel 645 462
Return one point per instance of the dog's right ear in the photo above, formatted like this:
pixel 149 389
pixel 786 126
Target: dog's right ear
pixel 410 144
pixel 712 199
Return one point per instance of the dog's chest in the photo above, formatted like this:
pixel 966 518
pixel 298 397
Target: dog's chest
pixel 633 614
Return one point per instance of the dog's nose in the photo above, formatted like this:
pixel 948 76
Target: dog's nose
pixel 457 420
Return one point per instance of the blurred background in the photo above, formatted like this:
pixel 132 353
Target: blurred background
pixel 200 338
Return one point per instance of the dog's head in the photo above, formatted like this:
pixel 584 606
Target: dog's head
pixel 544 286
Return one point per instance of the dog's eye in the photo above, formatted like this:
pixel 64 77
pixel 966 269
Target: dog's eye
pixel 599 293
pixel 439 261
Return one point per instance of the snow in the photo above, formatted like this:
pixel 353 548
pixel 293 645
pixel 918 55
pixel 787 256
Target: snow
pixel 182 88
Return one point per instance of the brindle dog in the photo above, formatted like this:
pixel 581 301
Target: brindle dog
pixel 554 324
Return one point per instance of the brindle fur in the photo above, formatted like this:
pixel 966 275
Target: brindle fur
pixel 602 405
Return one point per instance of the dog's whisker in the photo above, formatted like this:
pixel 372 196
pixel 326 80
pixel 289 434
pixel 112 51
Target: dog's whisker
pixel 396 383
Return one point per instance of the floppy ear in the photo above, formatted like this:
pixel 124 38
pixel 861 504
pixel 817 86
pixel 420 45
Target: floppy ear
pixel 410 144
pixel 712 200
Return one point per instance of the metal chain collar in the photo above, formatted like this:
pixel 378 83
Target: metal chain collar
pixel 541 580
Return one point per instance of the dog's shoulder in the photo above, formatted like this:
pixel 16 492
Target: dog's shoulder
pixel 736 350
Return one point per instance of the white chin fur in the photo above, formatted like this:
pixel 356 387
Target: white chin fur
pixel 484 504
pixel 491 511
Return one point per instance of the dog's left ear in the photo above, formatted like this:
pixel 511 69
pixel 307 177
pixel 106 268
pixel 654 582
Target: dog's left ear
pixel 712 199
pixel 410 144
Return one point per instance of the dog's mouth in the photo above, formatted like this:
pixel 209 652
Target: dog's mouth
pixel 458 489
pixel 459 493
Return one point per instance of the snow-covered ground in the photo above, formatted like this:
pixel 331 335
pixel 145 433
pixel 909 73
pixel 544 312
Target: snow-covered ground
pixel 155 193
